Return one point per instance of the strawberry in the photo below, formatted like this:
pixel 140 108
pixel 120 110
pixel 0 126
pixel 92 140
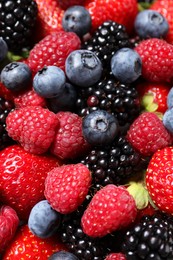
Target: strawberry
pixel 64 4
pixel 101 11
pixel 22 177
pixel 115 256
pixel 9 222
pixel 67 186
pixel 110 209
pixel 27 246
pixel 159 179
pixel 147 134
pixel 33 127
pixel 157 60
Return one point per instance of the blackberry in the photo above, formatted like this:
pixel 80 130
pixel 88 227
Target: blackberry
pixel 17 21
pixel 108 38
pixel 151 238
pixel 121 100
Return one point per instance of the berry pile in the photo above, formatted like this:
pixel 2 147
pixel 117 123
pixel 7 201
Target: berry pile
pixel 86 129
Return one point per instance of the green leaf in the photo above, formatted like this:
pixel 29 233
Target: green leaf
pixel 143 6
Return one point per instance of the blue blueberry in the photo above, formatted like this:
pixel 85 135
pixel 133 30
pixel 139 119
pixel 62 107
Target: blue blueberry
pixel 77 19
pixel 63 255
pixel 43 220
pixel 151 24
pixel 3 49
pixel 126 65
pixel 100 127
pixel 49 82
pixel 170 98
pixel 16 76
pixel 168 119
pixel 83 68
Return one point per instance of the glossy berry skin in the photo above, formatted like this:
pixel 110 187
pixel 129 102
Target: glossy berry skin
pixel 3 49
pixel 100 127
pixel 168 120
pixel 83 68
pixel 110 209
pixel 77 19
pixel 170 98
pixel 49 82
pixel 126 65
pixel 43 221
pixel 67 186
pixel 115 256
pixel 16 76
pixel 151 24
pixel 63 255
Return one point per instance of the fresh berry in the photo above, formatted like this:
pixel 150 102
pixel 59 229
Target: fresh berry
pixel 168 120
pixel 22 177
pixel 69 142
pixel 159 181
pixel 63 255
pixel 67 186
pixel 100 128
pixel 49 82
pixel 83 68
pixel 9 222
pixel 77 19
pixel 16 76
pixel 53 50
pixel 120 211
pixel 147 134
pixel 126 65
pixel 26 245
pixel 43 221
pixel 64 4
pixel 18 19
pixel 115 256
pixel 33 127
pixel 151 24
pixel 3 49
pixel 6 93
pixel 154 53
pixel 170 98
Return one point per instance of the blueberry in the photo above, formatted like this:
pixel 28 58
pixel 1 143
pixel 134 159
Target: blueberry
pixel 49 82
pixel 151 24
pixel 16 76
pixel 43 220
pixel 126 65
pixel 77 19
pixel 170 98
pixel 83 68
pixel 3 49
pixel 100 127
pixel 168 119
pixel 62 255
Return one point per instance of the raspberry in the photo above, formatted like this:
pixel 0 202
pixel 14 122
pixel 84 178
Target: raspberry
pixel 67 186
pixel 69 142
pixel 33 127
pixel 115 256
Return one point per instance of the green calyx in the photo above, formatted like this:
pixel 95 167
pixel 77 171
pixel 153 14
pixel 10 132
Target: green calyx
pixel 143 6
pixel 148 103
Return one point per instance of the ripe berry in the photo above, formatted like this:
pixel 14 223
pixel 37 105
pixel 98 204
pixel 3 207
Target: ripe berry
pixel 3 49
pixel 62 255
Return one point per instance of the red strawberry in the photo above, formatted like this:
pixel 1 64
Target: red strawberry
pixel 147 134
pixel 27 246
pixel 67 186
pixel 101 10
pixel 159 179
pixel 115 256
pixel 22 177
pixel 157 60
pixel 69 142
pixel 111 208
pixel 64 4
pixel 9 222
pixel 53 50
pixel 33 127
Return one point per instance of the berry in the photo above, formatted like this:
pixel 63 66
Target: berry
pixel 168 120
pixel 83 68
pixel 120 211
pixel 53 50
pixel 43 221
pixel 22 177
pixel 6 93
pixel 3 49
pixel 147 134
pixel 62 255
pixel 64 4
pixel 33 127
pixel 126 65
pixel 100 127
pixel 18 19
pixel 49 82
pixel 77 19
pixel 170 98
pixel 16 76
pixel 115 256
pixel 69 142
pixel 151 24
pixel 154 53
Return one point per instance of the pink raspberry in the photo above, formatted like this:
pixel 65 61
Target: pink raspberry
pixel 115 256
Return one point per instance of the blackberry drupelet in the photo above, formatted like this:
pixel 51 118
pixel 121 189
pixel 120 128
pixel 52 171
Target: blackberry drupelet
pixel 108 38
pixel 17 21
pixel 150 239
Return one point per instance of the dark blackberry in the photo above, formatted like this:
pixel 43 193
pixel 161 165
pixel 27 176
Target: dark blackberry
pixel 118 99
pixel 108 38
pixel 150 239
pixel 17 21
